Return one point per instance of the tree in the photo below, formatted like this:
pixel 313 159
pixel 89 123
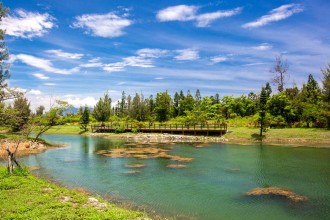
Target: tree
pixel 326 84
pixel 40 110
pixel 163 105
pixel 280 69
pixel 22 113
pixel 4 68
pixel 122 104
pixel 262 112
pixel 39 124
pixel 102 109
pixel 268 89
pixel 84 119
pixel 326 94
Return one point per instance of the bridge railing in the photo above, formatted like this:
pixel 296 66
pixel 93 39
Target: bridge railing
pixel 128 127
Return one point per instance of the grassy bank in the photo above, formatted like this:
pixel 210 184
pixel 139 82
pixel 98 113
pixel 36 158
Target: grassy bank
pixel 242 134
pixel 24 196
pixel 285 135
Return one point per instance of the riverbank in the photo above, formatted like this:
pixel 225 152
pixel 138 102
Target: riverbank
pixel 24 196
pixel 235 135
pixel 25 147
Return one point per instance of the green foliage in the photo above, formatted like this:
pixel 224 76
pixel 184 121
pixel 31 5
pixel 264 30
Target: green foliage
pixel 21 113
pixel 84 119
pixel 163 105
pixel 102 109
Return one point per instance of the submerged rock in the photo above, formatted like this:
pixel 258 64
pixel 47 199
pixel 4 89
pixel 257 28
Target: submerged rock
pixel 137 165
pixel 277 191
pixel 175 166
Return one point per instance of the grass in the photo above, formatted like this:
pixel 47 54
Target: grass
pixel 65 129
pixel 24 196
pixel 314 134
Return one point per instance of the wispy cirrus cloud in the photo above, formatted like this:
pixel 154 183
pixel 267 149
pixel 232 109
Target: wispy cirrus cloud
pixel 204 20
pixel 26 24
pixel 189 13
pixel 151 53
pixel 108 25
pixel 187 54
pixel 43 64
pixel 276 14
pixel 263 46
pixel 62 54
pixel 218 59
pixel 144 59
pixel 41 76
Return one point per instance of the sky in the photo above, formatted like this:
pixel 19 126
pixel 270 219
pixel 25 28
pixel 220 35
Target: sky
pixel 79 49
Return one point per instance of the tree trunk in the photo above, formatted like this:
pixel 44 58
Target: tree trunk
pixel 10 164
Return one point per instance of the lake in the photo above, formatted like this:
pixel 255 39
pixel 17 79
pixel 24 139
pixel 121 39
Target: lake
pixel 212 186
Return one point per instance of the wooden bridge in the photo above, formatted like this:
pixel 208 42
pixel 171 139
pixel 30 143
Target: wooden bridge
pixel 208 129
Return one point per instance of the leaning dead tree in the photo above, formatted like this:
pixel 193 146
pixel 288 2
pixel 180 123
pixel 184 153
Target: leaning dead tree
pixel 12 156
pixel 280 71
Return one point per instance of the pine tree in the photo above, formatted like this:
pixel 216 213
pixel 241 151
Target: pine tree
pixel 84 119
pixel 22 112
pixel 102 109
pixel 262 112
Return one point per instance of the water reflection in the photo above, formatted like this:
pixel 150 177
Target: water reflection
pixel 205 189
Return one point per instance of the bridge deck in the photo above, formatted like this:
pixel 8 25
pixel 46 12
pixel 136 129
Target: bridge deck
pixel 219 129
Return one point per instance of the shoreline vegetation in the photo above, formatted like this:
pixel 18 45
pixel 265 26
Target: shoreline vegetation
pixel 312 137
pixel 24 196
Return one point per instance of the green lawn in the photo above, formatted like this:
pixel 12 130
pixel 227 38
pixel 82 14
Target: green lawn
pixel 23 196
pixel 65 129
pixel 285 133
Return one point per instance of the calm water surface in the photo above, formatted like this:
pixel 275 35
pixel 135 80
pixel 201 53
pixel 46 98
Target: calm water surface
pixel 211 187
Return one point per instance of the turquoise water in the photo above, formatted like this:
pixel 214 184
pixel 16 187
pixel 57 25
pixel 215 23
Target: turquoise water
pixel 211 187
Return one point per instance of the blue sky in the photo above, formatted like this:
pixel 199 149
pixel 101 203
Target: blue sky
pixel 76 50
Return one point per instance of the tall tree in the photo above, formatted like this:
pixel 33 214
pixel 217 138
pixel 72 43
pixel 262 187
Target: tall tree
pixel 102 109
pixel 122 104
pixel 176 101
pixel 22 112
pixel 84 119
pixel 262 112
pixel 268 89
pixel 326 83
pixel 198 97
pixel 280 70
pixel 326 93
pixel 163 105
pixel 40 110
pixel 4 68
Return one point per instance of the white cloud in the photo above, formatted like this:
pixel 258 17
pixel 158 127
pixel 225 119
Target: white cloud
pixel 77 101
pixel 159 78
pixel 151 53
pixel 263 46
pixel 203 20
pixel 91 65
pixel 187 54
pixel 218 59
pixel 94 60
pixel 60 53
pixel 43 64
pixel 27 24
pixel 276 14
pixel 102 25
pixel 177 13
pixel 189 13
pixel 137 61
pixel 35 92
pixel 41 76
pixel 50 84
